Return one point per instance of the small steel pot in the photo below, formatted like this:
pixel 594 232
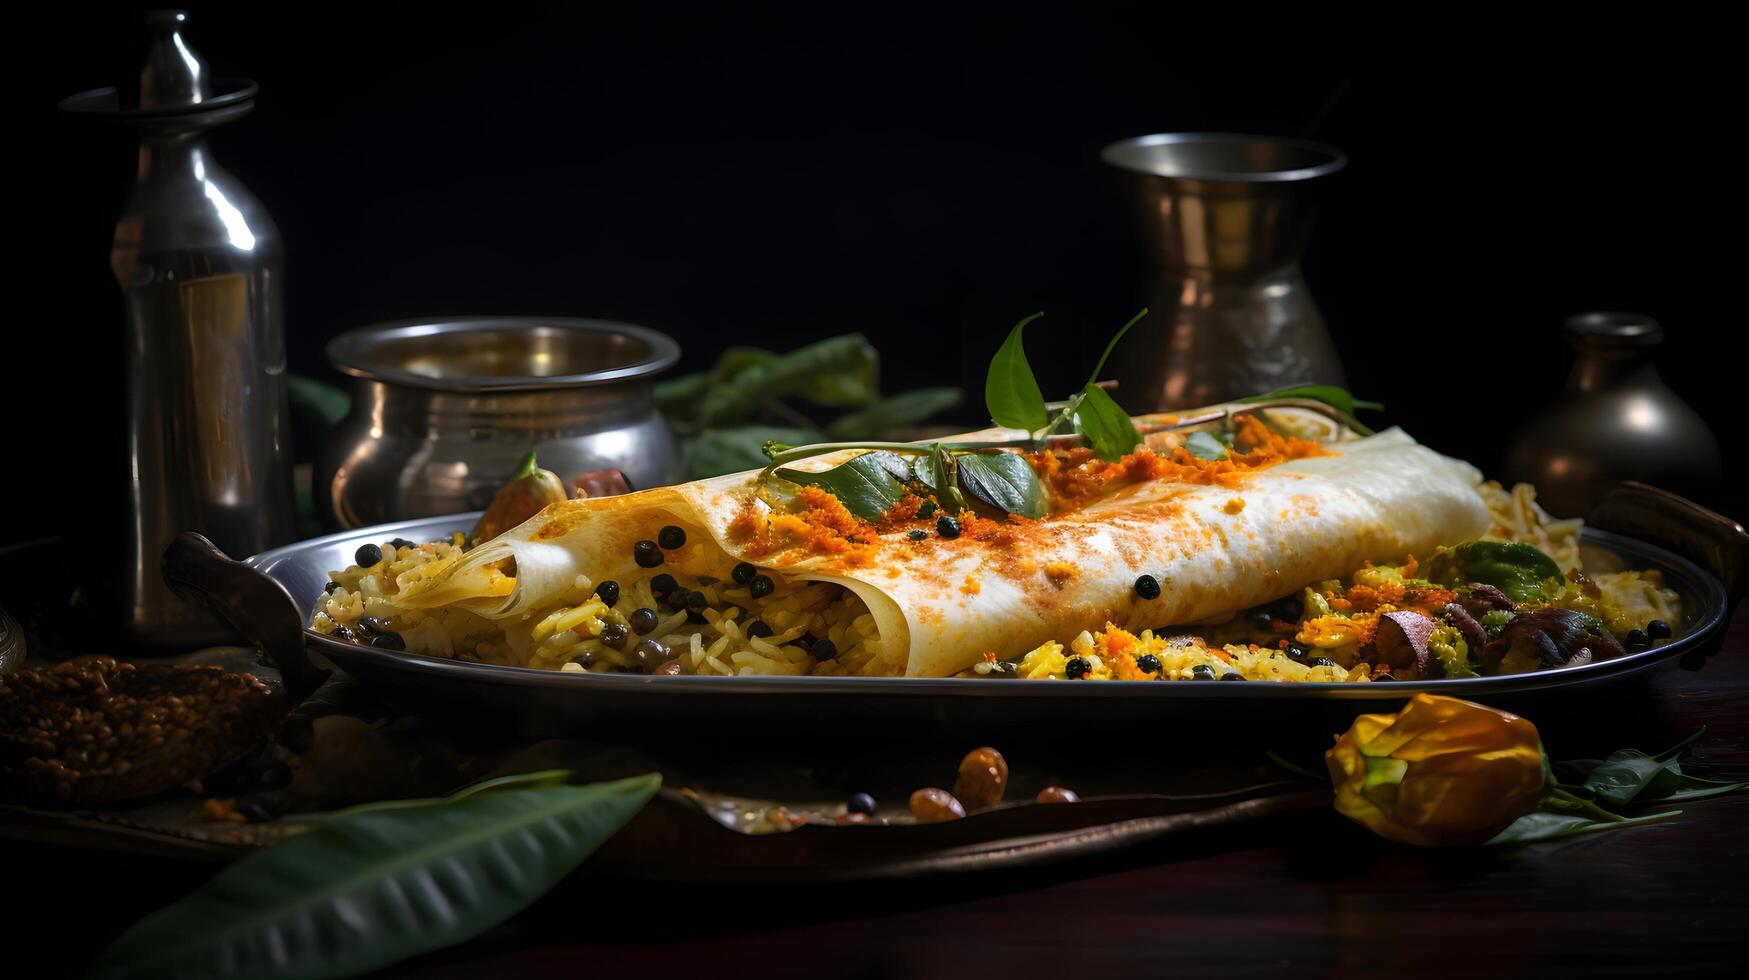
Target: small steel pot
pixel 443 409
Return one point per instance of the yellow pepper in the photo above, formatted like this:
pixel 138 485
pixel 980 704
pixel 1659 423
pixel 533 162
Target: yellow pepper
pixel 1440 772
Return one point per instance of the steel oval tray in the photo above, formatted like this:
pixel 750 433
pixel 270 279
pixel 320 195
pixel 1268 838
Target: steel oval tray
pixel 529 700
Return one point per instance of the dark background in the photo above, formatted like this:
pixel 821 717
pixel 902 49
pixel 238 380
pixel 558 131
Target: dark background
pixel 925 177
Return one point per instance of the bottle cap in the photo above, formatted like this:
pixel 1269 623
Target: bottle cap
pixel 170 88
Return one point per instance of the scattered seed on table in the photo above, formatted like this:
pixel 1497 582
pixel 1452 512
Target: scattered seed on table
pixel 933 805
pixel 983 778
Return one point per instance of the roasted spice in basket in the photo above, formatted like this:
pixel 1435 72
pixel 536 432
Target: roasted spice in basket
pixel 97 730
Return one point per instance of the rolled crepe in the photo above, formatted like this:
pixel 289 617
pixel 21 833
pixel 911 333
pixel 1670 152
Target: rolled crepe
pixel 1215 549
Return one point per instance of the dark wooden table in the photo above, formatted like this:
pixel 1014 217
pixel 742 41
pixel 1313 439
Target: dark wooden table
pixel 1310 891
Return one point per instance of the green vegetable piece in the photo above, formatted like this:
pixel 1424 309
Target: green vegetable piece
pixel 1495 620
pixel 323 405
pixel 1107 428
pixel 1520 570
pixel 905 408
pixel 1204 445
pixel 1005 481
pixel 1011 391
pixel 1331 395
pixel 376 886
pixel 1447 643
pixel 738 448
pixel 866 485
pixel 838 372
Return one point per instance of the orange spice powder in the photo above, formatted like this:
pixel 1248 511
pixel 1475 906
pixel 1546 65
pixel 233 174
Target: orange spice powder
pixel 1075 476
pixel 824 526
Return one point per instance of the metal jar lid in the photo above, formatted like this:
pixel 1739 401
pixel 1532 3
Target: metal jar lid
pixel 173 88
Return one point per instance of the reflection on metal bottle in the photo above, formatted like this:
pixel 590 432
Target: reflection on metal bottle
pixel 1616 420
pixel 199 262
pixel 1225 218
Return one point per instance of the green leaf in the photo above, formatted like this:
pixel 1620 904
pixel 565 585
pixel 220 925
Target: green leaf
pixel 376 887
pixel 905 408
pixel 1514 567
pixel 1204 445
pixel 933 471
pixel 523 780
pixel 738 448
pixel 1112 345
pixel 678 397
pixel 1010 389
pixel 1630 775
pixel 734 361
pixel 1108 429
pixel 318 404
pixel 1624 775
pixel 867 485
pixel 840 372
pixel 1544 826
pixel 543 779
pixel 1676 750
pixel 1337 398
pixel 1671 785
pixel 1005 481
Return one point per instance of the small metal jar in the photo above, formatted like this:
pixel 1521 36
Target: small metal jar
pixel 443 409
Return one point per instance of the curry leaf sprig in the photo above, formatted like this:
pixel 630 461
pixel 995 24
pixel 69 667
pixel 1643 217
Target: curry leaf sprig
pixel 1012 395
pixel 871 483
pixel 950 473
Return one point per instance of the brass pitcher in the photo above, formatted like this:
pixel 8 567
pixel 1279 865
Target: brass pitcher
pixel 1225 218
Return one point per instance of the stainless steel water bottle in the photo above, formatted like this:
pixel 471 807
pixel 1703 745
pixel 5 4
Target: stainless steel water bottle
pixel 199 263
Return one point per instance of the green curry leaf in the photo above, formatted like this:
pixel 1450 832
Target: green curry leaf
pixel 1005 481
pixel 1011 391
pixel 1112 345
pixel 1107 428
pixel 1204 445
pixel 867 485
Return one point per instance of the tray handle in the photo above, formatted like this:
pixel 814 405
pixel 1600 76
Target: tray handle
pixel 257 606
pixel 1709 539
